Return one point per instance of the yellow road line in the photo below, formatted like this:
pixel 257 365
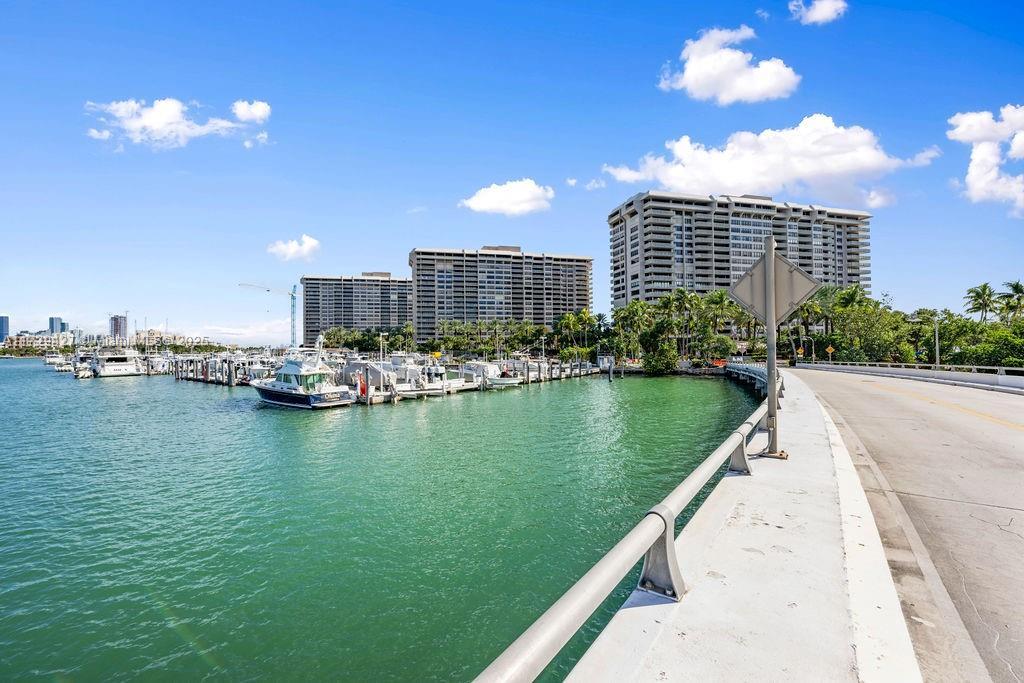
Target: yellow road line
pixel 947 404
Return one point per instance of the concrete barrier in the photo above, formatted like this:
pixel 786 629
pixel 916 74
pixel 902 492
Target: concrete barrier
pixel 992 378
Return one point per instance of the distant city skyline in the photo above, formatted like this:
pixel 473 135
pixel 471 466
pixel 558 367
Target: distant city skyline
pixel 159 183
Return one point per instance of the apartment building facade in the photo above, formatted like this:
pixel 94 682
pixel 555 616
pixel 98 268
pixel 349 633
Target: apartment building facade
pixel 662 241
pixel 496 283
pixel 119 326
pixel 355 302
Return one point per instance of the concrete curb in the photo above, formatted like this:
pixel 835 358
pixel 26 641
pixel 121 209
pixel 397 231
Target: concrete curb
pixel 952 655
pixel 881 641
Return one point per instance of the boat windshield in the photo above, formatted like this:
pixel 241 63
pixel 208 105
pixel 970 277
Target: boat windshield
pixel 309 382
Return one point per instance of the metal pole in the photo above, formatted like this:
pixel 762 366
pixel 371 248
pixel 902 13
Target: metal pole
pixel 771 342
pixel 936 340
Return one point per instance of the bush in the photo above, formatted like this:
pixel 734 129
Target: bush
pixel 664 361
pixel 905 353
pixel 853 355
pixel 757 347
pixel 721 346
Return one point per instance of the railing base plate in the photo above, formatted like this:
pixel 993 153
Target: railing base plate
pixel 781 455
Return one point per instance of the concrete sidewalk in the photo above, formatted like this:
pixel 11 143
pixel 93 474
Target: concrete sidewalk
pixel 786 575
pixel 944 471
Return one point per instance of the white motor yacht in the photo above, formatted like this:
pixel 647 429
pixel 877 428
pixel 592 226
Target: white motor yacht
pixel 117 362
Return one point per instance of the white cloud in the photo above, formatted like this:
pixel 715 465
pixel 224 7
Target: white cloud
pixel 98 134
pixel 513 198
pixel 986 180
pixel 595 184
pixel 879 197
pixel 266 332
pixel 713 70
pixel 816 157
pixel 416 209
pixel 163 125
pixel 819 11
pixel 251 112
pixel 261 138
pixel 571 182
pixel 762 14
pixel 302 248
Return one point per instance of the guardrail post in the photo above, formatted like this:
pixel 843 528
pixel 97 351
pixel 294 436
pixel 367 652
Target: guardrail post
pixel 661 568
pixel 738 460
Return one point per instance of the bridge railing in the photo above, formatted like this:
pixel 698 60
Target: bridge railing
pixel 985 369
pixel 984 376
pixel 652 539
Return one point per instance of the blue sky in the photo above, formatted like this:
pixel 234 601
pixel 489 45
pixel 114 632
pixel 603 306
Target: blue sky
pixel 385 116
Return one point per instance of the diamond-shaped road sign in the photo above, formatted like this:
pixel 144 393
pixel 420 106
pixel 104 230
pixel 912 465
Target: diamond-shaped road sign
pixel 792 287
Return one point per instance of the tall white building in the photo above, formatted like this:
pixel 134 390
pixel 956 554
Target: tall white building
pixel 661 241
pixel 495 283
pixel 355 302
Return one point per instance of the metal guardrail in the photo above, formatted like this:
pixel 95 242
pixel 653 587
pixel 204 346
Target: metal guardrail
pixel 652 539
pixel 985 369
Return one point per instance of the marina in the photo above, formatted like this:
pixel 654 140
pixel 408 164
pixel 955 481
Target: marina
pixel 406 543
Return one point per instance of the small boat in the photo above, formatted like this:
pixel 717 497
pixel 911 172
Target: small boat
pixel 53 358
pixel 503 382
pixel 304 383
pixel 64 366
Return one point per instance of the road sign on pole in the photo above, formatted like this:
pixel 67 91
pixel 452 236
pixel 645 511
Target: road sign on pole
pixel 771 291
pixel 792 287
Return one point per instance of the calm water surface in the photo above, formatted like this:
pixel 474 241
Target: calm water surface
pixel 169 530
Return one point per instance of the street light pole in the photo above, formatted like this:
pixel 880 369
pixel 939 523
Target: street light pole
pixel 936 340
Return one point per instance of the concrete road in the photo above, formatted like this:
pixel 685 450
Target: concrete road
pixel 950 462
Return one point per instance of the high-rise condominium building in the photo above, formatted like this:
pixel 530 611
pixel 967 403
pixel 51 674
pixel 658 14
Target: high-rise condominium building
pixel 5 328
pixel 119 326
pixel 355 302
pixel 495 283
pixel 55 324
pixel 661 241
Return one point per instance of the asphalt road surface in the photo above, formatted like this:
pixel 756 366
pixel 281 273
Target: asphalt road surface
pixel 954 458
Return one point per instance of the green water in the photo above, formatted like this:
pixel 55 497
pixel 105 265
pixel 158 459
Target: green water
pixel 160 529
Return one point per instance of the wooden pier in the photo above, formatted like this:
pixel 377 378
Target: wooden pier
pixel 224 371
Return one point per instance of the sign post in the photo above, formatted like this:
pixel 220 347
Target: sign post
pixel 771 333
pixel 771 291
pixel 829 350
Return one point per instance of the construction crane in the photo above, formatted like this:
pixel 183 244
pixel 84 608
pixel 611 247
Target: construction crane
pixel 270 290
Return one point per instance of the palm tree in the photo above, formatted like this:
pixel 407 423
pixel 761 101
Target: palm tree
pixel 981 299
pixel 854 295
pixel 586 322
pixel 809 313
pixel 742 320
pixel 688 305
pixel 719 307
pixel 1011 302
pixel 827 299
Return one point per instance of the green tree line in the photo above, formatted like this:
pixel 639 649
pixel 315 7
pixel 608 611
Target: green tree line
pixel 705 327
